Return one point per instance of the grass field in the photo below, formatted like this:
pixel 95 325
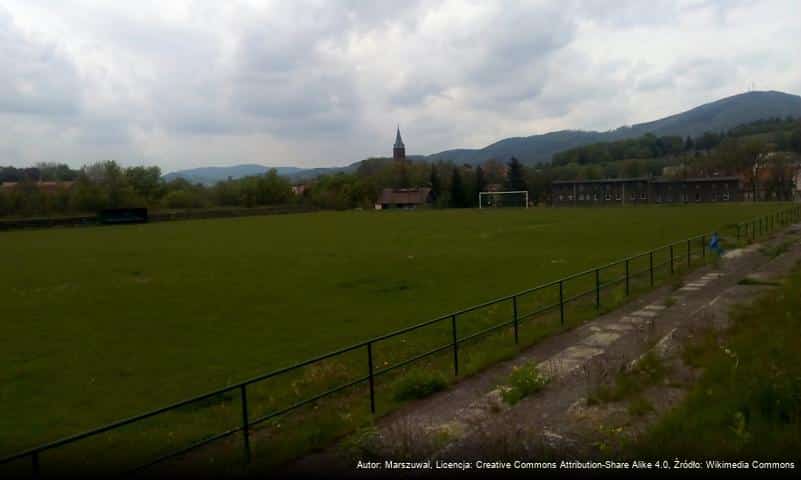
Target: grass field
pixel 103 323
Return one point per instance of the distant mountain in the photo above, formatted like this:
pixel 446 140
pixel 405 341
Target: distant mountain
pixel 711 117
pixel 211 175
pixel 720 115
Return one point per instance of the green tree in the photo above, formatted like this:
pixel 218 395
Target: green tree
pixel 457 191
pixel 145 181
pixel 434 181
pixel 515 176
pixel 481 181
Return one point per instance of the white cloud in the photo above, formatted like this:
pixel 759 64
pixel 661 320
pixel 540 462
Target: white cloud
pixel 323 82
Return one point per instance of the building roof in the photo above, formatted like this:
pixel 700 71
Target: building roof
pixel 398 139
pixel 404 196
pixel 696 179
pixel 605 180
pixel 650 179
pixel 44 186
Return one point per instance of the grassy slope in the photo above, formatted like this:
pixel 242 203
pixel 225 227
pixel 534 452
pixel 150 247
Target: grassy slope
pixel 747 405
pixel 103 323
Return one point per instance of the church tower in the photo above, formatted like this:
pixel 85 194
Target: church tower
pixel 398 150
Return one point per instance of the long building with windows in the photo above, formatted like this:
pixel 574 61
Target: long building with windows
pixel 645 190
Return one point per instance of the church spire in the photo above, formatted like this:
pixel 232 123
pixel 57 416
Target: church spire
pixel 399 149
pixel 398 139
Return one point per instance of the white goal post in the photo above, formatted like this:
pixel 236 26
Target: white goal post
pixel 515 198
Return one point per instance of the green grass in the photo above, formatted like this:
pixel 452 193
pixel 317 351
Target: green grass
pixel 420 384
pixel 104 323
pixel 747 404
pixel 756 281
pixel 776 250
pixel 524 380
pixel 648 371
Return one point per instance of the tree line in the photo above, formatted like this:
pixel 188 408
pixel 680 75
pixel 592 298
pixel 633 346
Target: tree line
pixel 761 153
pixel 108 185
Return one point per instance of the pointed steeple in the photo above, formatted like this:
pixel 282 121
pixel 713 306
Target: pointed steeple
pixel 399 150
pixel 398 140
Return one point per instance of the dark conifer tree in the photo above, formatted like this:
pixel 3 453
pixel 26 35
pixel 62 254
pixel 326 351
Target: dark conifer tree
pixel 515 179
pixel 457 190
pixel 436 184
pixel 481 181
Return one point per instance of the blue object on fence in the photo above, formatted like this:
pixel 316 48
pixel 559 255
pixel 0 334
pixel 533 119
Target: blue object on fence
pixel 714 244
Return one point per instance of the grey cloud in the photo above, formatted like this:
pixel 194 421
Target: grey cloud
pixel 299 76
pixel 37 78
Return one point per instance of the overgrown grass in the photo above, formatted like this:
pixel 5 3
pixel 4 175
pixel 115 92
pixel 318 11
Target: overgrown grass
pixel 524 380
pixel 756 281
pixel 419 384
pixel 747 403
pixel 639 406
pixel 648 371
pixel 773 251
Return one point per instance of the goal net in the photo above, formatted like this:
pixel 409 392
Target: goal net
pixel 503 199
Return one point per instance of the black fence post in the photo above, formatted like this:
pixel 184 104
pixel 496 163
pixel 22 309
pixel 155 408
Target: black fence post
pixel 671 259
pixel 561 302
pixel 689 253
pixel 651 265
pixel 35 464
pixel 597 289
pixel 627 277
pixel 703 242
pixel 243 394
pixel 455 346
pixel 514 308
pixel 370 374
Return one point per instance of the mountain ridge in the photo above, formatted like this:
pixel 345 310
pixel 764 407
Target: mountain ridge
pixel 721 114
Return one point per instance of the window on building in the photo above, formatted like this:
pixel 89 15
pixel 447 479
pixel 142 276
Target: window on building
pixel 643 196
pixel 617 196
pixel 697 196
pixel 633 196
pixel 726 196
pixel 561 197
pixel 595 196
pixel 608 196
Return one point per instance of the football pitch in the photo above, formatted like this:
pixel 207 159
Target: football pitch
pixel 103 323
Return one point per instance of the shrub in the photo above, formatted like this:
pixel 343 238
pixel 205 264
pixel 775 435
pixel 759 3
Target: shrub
pixel 524 380
pixel 419 385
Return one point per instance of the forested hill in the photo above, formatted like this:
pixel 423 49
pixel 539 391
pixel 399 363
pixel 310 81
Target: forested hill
pixel 783 133
pixel 716 116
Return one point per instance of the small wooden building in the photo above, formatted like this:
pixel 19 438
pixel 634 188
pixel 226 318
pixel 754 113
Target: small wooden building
pixel 407 198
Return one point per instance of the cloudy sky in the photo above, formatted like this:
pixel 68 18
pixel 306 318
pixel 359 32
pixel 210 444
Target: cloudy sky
pixel 183 83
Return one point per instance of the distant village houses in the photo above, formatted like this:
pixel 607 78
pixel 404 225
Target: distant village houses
pixel 44 187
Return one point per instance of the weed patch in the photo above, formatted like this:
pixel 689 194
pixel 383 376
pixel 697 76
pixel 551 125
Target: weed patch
pixel 748 400
pixel 649 370
pixel 418 385
pixel 523 381
pixel 756 281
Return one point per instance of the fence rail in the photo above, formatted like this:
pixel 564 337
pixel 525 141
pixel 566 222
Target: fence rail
pixel 748 230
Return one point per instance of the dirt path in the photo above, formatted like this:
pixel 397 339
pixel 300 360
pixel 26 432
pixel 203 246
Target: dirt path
pixel 471 420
